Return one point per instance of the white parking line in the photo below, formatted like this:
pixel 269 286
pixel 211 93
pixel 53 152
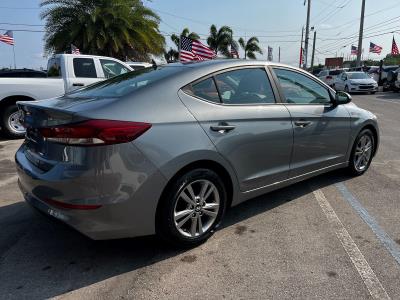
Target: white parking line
pixel 12 179
pixel 372 283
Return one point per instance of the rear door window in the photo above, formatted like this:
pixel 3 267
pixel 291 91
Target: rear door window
pixel 245 86
pixel 112 68
pixel 204 89
pixel 54 68
pixel 84 68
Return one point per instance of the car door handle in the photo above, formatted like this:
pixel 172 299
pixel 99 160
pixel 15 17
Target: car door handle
pixel 302 123
pixel 222 127
pixel 78 84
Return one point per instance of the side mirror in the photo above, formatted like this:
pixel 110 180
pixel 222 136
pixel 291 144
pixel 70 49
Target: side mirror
pixel 342 98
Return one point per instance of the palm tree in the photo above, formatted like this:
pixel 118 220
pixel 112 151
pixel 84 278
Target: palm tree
pixel 250 47
pixel 174 54
pixel 220 40
pixel 118 28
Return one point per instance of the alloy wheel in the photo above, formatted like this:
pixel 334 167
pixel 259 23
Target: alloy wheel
pixel 196 208
pixel 363 153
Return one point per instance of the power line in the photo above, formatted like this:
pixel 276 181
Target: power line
pixel 23 30
pixel 20 24
pixel 334 12
pixel 353 35
pixel 8 7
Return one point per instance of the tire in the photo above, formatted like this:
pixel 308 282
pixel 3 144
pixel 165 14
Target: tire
pixel 11 128
pixel 354 168
pixel 385 85
pixel 167 222
pixel 373 93
pixel 346 89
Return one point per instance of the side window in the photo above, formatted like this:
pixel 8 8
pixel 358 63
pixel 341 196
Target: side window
pixel 204 89
pixel 245 86
pixel 84 67
pixel 300 89
pixel 112 68
pixel 54 68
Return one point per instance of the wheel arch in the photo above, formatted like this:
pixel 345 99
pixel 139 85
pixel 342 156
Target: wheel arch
pixel 204 164
pixel 13 99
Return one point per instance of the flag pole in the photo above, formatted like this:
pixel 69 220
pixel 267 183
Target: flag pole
pixel 15 65
pixel 179 48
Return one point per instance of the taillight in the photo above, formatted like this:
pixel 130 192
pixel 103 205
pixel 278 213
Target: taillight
pixel 95 132
pixel 329 77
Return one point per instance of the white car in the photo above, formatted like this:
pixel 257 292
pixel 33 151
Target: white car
pixel 65 73
pixel 329 76
pixel 352 82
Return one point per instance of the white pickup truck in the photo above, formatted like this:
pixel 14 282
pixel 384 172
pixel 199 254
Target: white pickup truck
pixel 65 72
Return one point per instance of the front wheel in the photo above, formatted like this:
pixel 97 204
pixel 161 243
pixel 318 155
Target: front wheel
pixel 10 123
pixel 346 89
pixel 362 153
pixel 192 209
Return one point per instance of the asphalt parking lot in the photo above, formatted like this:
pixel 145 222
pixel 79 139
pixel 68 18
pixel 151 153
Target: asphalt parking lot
pixel 331 237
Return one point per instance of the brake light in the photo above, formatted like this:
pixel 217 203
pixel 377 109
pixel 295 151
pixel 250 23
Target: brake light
pixel 329 77
pixel 95 132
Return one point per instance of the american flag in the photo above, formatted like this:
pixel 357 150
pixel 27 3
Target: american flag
pixel 75 50
pixel 354 50
pixel 194 50
pixel 395 50
pixel 7 38
pixel 375 48
pixel 234 52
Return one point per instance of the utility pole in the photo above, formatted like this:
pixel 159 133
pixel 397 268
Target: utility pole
pixel 301 48
pixel 313 50
pixel 279 54
pixel 307 33
pixel 360 37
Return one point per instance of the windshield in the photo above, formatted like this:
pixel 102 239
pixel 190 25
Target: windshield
pixel 126 83
pixel 358 75
pixel 335 72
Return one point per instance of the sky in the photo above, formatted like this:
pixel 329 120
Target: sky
pixel 275 23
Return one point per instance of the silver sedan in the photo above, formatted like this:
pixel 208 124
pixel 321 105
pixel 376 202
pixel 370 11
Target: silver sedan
pixel 168 149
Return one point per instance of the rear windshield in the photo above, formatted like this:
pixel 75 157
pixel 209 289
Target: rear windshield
pixel 126 83
pixel 359 75
pixel 335 72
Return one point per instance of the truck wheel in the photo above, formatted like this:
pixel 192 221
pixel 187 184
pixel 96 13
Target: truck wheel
pixel 10 124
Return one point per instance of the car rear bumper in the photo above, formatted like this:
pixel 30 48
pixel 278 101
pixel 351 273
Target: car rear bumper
pixel 120 196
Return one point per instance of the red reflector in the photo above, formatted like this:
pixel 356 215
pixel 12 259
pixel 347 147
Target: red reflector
pixel 94 132
pixel 71 206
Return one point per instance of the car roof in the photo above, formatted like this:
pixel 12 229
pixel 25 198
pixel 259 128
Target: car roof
pixel 84 56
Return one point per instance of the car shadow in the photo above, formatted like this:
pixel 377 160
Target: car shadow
pixel 42 258
pixel 388 95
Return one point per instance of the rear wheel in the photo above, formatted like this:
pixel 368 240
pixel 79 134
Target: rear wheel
pixel 10 124
pixel 193 208
pixel 346 89
pixel 362 153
